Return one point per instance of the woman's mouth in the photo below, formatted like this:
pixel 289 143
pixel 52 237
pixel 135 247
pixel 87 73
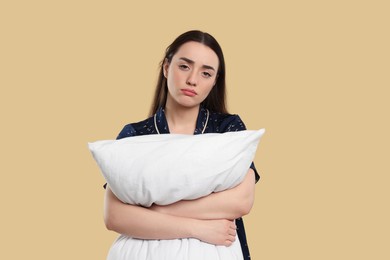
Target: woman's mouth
pixel 189 92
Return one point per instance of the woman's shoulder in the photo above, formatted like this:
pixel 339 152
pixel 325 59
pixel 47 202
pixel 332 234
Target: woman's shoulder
pixel 144 127
pixel 223 122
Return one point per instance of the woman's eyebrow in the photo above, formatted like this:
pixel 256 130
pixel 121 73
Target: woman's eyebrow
pixel 193 62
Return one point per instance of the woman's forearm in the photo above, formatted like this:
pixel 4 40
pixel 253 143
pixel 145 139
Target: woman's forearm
pixel 139 222
pixel 229 204
pixel 143 223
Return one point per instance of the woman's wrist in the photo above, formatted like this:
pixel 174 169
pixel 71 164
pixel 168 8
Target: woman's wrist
pixel 194 227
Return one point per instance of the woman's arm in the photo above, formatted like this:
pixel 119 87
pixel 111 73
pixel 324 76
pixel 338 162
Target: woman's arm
pixel 143 223
pixel 228 204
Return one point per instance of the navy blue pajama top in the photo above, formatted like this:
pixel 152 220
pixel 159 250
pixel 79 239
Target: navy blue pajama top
pixel 212 123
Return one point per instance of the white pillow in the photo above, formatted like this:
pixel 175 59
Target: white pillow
pixel 163 169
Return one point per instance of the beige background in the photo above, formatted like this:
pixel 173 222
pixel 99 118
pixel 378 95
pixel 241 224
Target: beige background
pixel 315 74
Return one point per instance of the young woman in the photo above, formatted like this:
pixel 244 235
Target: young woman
pixel 189 99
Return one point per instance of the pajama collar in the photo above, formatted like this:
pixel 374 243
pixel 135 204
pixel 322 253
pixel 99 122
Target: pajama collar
pixel 161 123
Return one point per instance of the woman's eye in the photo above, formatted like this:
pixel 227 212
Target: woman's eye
pixel 207 75
pixel 183 66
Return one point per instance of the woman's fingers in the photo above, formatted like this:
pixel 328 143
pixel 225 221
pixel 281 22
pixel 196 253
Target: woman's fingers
pixel 217 232
pixel 233 229
pixel 230 240
pixel 232 232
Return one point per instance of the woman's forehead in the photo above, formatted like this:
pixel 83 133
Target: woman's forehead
pixel 199 53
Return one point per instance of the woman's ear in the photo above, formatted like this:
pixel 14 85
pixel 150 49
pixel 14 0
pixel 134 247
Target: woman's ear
pixel 165 67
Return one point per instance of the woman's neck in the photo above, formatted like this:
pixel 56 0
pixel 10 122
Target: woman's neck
pixel 181 120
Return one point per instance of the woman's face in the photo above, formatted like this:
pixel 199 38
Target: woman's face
pixel 191 74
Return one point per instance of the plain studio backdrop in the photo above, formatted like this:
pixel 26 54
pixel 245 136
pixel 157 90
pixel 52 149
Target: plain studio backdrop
pixel 315 74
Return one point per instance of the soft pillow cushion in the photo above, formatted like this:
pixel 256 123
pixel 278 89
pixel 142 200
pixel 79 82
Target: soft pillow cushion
pixel 127 248
pixel 163 169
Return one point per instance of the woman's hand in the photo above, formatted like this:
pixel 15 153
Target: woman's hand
pixel 217 232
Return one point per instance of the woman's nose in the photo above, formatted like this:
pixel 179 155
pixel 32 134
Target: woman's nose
pixel 192 79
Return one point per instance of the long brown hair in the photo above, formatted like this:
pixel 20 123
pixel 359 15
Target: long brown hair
pixel 216 100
